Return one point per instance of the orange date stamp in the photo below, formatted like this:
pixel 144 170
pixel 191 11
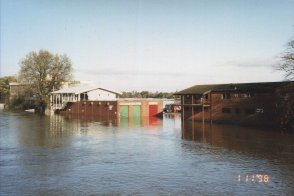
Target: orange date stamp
pixel 253 178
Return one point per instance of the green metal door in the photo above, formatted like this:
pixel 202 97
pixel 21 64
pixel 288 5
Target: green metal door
pixel 136 110
pixel 136 114
pixel 124 111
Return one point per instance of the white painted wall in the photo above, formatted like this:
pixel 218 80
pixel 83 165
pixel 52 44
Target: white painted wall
pixel 102 95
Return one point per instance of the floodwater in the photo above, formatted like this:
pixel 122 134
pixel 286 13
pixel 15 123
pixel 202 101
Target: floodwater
pixel 56 155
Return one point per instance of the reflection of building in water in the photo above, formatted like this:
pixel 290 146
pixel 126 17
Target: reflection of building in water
pixel 60 126
pixel 67 125
pixel 143 121
pixel 242 103
pixel 245 139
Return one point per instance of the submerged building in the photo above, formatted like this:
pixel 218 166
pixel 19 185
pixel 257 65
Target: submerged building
pixel 95 101
pixel 240 103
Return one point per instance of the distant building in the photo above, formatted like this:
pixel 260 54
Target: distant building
pixel 18 90
pixel 241 103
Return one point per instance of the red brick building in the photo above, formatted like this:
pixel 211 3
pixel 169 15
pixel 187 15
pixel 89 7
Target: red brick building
pixel 241 103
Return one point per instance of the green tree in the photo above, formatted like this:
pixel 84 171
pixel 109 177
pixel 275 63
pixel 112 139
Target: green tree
pixel 4 87
pixel 43 72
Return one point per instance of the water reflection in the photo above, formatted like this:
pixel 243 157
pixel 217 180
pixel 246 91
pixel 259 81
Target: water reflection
pixel 78 155
pixel 253 141
pixel 151 122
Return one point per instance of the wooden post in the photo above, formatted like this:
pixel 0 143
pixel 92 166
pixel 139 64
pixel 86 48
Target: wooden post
pixel 84 101
pixel 192 107
pixel 203 111
pixel 55 101
pixel 210 107
pixel 193 132
pixel 183 130
pixel 183 109
pixel 78 105
pixel 203 117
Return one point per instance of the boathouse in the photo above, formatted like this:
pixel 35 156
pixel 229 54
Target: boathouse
pixel 95 101
pixel 240 103
pixel 67 96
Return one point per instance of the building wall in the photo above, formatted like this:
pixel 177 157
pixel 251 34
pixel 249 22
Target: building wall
pixel 93 108
pixel 99 94
pixel 18 90
pixel 257 109
pixel 110 108
pixel 144 103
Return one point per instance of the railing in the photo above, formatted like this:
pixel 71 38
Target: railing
pixel 198 101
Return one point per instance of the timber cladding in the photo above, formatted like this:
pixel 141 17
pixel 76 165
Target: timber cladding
pixel 257 109
pixel 93 108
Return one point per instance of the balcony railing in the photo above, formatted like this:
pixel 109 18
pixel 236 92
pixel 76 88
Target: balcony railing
pixel 197 101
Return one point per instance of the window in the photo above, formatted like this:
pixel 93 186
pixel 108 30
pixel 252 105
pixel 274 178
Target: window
pixel 226 96
pixel 259 110
pixel 226 110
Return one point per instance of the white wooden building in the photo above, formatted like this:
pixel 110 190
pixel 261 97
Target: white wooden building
pixel 58 99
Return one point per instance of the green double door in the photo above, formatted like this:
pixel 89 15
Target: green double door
pixel 135 111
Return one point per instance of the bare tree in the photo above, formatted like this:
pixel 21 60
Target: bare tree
pixel 286 93
pixel 287 64
pixel 43 72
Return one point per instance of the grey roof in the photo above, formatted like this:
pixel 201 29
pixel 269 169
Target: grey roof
pixel 80 89
pixel 262 86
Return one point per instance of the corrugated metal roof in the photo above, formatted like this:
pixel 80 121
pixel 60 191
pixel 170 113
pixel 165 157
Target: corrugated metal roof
pixel 79 89
pixel 262 86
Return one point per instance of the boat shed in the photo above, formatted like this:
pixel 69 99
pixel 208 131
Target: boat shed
pixel 60 98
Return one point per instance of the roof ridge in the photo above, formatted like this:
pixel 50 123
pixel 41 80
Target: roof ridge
pixel 201 88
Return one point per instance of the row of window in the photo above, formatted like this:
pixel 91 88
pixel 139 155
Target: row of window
pixel 97 104
pixel 240 95
pixel 246 111
pixel 226 95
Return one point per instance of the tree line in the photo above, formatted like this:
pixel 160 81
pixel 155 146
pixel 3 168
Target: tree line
pixel 147 94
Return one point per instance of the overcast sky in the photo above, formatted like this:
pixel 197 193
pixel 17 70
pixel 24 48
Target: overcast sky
pixel 164 45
